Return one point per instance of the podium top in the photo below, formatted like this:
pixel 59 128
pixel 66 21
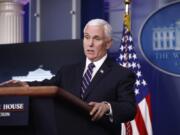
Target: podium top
pixel 45 91
pixel 29 91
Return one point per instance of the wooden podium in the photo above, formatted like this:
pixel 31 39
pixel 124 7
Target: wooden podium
pixel 45 91
pixel 39 125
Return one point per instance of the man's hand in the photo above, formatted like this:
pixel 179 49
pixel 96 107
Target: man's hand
pixel 99 110
pixel 12 83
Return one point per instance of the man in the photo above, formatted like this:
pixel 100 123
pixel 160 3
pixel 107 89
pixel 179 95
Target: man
pixel 103 84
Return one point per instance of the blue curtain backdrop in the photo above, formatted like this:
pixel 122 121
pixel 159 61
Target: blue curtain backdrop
pixel 91 9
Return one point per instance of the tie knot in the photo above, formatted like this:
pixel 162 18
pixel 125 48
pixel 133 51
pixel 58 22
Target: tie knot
pixel 91 66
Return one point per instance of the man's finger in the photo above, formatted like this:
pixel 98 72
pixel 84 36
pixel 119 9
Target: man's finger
pixel 94 110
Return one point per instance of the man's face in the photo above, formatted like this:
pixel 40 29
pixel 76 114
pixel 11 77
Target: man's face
pixel 95 42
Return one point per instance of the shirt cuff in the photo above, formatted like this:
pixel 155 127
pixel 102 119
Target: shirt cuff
pixel 109 113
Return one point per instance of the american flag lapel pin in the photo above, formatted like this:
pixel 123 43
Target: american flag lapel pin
pixel 101 71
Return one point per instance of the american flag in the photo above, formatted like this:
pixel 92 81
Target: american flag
pixel 141 125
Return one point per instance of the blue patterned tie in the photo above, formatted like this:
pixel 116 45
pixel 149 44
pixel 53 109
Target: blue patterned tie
pixel 86 79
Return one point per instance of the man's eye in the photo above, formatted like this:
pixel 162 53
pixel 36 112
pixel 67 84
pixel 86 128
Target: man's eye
pixel 86 37
pixel 97 38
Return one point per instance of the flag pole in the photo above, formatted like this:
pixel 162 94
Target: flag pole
pixel 127 2
pixel 127 20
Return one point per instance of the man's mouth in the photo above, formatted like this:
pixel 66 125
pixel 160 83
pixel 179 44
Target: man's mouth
pixel 90 51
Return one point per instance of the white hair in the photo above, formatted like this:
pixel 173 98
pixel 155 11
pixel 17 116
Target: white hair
pixel 100 22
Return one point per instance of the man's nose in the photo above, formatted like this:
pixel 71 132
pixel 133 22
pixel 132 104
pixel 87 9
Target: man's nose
pixel 91 42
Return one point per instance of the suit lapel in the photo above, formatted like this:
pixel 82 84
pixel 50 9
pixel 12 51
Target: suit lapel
pixel 78 79
pixel 101 73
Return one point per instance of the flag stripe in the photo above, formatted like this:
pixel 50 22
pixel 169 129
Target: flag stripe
pixel 135 129
pixel 123 129
pixel 146 117
pixel 140 123
pixel 148 100
pixel 128 128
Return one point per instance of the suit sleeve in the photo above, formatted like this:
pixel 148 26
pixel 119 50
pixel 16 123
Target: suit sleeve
pixel 124 108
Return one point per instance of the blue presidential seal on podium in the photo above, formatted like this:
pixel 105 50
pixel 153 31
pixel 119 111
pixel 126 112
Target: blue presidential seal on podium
pixel 160 39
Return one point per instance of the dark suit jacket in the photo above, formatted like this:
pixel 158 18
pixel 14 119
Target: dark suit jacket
pixel 112 83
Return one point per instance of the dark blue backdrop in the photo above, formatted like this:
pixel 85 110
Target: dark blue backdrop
pixel 165 94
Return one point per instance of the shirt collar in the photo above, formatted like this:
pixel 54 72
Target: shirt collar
pixel 97 63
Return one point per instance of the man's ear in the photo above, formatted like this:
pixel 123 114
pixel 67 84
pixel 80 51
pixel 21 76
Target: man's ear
pixel 108 43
